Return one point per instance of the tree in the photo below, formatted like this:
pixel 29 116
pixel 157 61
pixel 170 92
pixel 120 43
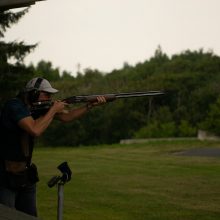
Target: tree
pixel 46 70
pixel 13 72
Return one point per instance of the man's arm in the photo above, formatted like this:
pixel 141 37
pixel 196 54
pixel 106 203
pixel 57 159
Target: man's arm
pixel 73 114
pixel 38 126
pixel 70 115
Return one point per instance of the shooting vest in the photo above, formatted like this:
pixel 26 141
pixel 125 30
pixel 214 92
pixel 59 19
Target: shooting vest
pixel 16 144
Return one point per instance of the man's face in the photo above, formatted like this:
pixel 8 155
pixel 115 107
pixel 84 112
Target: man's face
pixel 44 96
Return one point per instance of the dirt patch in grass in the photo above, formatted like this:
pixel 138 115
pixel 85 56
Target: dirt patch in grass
pixel 201 152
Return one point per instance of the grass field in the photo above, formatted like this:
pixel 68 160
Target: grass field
pixel 132 182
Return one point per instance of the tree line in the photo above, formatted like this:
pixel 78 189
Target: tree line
pixel 189 79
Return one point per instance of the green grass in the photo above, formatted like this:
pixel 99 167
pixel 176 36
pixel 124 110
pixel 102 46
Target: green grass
pixel 127 182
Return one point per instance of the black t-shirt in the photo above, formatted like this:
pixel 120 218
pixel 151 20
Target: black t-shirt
pixel 12 112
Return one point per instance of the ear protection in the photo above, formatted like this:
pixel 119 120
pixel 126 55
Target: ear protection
pixel 34 94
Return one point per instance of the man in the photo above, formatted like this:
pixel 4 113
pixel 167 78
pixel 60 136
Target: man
pixel 18 176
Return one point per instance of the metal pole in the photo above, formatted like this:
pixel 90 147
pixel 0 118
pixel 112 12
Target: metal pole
pixel 60 202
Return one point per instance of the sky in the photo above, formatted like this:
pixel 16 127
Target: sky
pixel 105 34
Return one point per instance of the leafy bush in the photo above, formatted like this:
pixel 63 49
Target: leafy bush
pixel 155 130
pixel 212 121
pixel 186 130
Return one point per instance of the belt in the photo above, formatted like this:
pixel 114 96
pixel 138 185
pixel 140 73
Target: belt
pixel 15 166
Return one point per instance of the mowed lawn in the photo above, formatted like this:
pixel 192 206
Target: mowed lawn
pixel 132 182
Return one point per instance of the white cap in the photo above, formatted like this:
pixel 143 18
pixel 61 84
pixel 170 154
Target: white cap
pixel 40 84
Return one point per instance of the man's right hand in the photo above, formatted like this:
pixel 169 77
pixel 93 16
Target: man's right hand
pixel 58 106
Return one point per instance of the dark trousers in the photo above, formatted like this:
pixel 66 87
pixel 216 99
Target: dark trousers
pixel 23 199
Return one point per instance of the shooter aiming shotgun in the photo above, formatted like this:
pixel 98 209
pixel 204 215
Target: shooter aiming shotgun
pixel 45 105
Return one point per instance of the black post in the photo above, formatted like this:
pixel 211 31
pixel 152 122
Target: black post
pixel 60 182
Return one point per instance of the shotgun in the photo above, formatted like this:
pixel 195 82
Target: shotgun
pixel 45 105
